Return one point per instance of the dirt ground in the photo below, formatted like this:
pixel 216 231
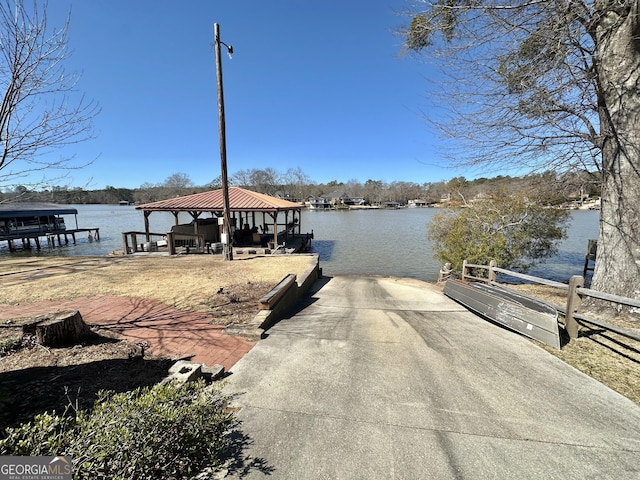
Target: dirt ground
pixel 35 379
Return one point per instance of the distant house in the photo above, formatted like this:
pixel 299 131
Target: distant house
pixel 482 196
pixel 287 196
pixel 353 201
pixel 319 203
pixel 418 202
pixel 341 198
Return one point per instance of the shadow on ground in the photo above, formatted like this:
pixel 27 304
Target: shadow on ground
pixel 236 462
pixel 28 392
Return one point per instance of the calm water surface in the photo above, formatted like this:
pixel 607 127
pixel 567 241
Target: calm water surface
pixel 377 242
pixel 372 242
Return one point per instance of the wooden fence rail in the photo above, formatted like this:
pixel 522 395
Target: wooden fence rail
pixel 131 241
pixel 575 294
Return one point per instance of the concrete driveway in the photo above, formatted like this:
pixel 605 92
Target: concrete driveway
pixel 379 378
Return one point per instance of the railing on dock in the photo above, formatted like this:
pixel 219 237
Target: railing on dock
pixel 131 242
pixel 187 242
pixel 137 242
pixel 93 234
pixel 575 294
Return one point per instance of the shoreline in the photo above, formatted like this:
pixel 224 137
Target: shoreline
pixel 190 283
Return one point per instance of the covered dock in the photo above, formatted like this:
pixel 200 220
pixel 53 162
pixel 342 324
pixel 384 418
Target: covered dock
pixel 27 222
pixel 257 220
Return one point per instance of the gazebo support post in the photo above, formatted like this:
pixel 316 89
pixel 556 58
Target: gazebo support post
pixel 286 225
pixel 146 224
pixel 275 229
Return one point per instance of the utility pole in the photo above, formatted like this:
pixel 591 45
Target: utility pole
pixel 226 227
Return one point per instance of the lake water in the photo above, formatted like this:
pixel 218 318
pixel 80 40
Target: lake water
pixel 372 242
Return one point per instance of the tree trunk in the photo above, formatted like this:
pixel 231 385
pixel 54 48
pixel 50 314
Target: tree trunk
pixel 617 269
pixel 62 328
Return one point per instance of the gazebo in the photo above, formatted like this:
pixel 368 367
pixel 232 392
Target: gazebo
pixel 255 218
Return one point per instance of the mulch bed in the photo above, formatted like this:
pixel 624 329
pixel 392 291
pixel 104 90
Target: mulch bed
pixel 135 343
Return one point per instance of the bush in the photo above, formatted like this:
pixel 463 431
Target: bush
pixel 10 345
pixel 508 229
pixel 166 431
pixel 46 435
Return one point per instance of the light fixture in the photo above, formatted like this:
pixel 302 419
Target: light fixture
pixel 229 49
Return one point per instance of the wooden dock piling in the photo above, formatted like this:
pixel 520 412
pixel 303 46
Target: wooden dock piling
pixel 62 237
pixel 33 221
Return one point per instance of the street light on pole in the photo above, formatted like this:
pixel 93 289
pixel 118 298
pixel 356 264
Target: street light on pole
pixel 226 227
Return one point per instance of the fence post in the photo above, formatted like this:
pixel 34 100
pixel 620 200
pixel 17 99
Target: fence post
pixel 134 240
pixel 492 273
pixel 171 243
pixel 125 243
pixel 445 272
pixel 573 303
pixel 464 269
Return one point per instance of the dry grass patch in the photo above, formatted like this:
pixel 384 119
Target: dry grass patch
pixel 611 359
pixel 186 282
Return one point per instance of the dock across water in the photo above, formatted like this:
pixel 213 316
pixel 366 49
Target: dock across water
pixel 62 236
pixel 27 222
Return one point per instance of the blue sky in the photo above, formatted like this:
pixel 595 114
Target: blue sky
pixel 315 85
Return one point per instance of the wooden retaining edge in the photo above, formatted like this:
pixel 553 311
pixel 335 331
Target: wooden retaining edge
pixel 281 300
pixel 270 299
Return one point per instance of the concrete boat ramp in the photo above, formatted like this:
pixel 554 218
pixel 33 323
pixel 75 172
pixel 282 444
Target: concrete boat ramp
pixel 378 378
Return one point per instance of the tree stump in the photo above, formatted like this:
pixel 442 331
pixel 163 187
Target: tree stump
pixel 61 328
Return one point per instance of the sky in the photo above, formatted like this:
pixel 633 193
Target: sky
pixel 319 86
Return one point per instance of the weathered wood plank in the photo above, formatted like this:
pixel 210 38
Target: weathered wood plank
pixel 271 298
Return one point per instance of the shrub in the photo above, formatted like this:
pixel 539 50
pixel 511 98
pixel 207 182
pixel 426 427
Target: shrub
pixel 166 431
pixel 508 229
pixel 10 345
pixel 46 435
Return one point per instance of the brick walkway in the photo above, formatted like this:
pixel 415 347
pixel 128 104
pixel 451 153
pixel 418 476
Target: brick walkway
pixel 165 330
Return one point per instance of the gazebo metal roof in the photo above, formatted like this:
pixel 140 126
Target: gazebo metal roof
pixel 240 200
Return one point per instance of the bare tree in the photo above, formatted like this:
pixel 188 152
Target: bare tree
pixel 548 84
pixel 38 113
pixel 404 191
pixel 295 182
pixel 241 178
pixel 176 184
pixel 216 183
pixel 353 188
pixel 265 181
pixel 375 191
pixel 178 181
pixel 146 193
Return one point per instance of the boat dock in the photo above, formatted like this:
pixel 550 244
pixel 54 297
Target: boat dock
pixel 256 221
pixel 62 237
pixel 25 223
